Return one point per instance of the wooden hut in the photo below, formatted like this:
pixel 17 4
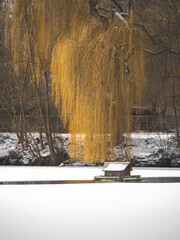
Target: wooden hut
pixel 117 169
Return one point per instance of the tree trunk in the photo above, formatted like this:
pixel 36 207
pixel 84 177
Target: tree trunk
pixel 49 132
pixel 173 85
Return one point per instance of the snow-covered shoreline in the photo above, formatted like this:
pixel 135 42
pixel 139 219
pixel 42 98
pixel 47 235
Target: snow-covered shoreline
pixel 149 149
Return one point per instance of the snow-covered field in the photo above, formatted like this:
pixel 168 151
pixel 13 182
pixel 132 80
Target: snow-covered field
pixel 115 211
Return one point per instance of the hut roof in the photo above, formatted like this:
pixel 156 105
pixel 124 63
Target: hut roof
pixel 115 166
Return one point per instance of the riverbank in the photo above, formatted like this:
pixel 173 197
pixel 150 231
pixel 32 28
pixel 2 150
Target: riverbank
pixel 149 150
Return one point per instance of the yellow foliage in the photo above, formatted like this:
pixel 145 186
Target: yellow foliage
pixel 97 75
pixel 35 27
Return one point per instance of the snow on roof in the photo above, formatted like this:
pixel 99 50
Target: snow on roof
pixel 118 166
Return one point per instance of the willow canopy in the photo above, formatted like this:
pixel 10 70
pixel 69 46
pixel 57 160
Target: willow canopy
pixel 97 70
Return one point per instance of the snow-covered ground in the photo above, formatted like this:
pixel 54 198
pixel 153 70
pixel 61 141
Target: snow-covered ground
pixel 115 211
pixel 151 147
pixel 8 142
pixel 105 211
pixel 11 150
pixel 148 148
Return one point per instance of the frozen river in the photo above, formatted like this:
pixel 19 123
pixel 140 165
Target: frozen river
pixel 15 173
pixel 87 211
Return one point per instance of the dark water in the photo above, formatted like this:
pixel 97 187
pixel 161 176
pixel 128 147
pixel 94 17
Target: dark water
pixel 141 180
pixel 46 182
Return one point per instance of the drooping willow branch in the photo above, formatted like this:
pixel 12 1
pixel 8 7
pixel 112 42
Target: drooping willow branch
pixel 97 72
pixel 93 88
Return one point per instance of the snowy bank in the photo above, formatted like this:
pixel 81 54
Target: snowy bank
pixel 149 149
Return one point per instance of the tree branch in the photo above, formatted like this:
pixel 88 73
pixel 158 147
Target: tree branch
pixel 130 5
pixel 94 11
pixel 161 51
pixel 119 15
pixel 117 5
pixel 146 31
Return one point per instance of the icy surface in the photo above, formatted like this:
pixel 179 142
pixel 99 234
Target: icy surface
pixel 48 173
pixel 74 173
pixel 115 211
pixel 104 211
pixel 156 172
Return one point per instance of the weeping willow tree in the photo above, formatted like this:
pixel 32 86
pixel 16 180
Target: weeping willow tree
pixel 35 27
pixel 97 69
pixel 97 74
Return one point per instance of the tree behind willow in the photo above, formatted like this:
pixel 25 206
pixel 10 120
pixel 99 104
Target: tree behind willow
pixel 35 26
pixel 98 74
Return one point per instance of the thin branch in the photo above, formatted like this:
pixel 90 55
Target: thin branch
pixel 94 11
pixel 117 5
pixel 119 15
pixel 161 51
pixel 130 5
pixel 146 31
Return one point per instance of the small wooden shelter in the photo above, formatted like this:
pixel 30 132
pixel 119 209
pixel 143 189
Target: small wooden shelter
pixel 117 169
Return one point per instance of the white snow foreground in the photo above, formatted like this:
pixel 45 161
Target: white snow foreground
pixel 116 211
